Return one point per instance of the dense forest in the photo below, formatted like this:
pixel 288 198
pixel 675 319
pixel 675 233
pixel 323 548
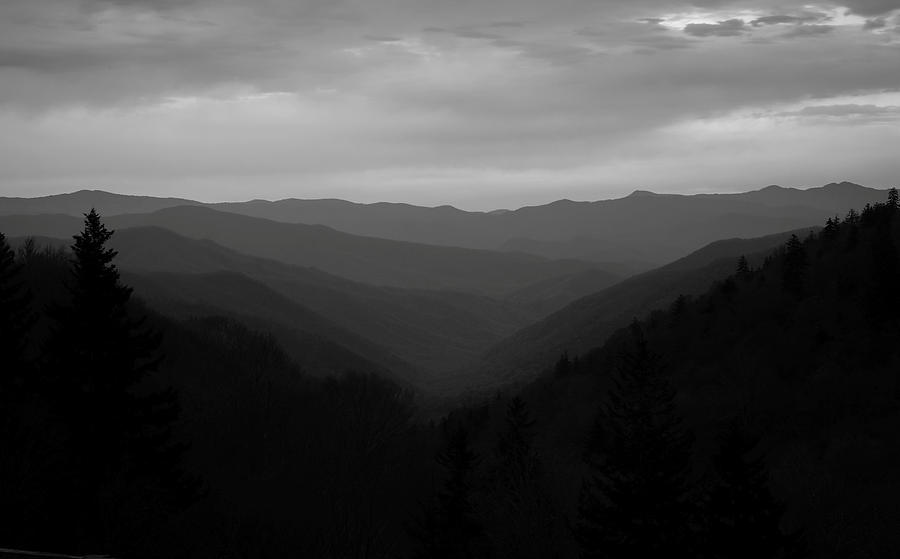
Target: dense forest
pixel 757 419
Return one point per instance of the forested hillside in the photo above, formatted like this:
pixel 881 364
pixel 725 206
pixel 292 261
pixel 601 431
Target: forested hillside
pixel 587 321
pixel 745 420
pixel 223 444
pixel 420 335
pixel 792 364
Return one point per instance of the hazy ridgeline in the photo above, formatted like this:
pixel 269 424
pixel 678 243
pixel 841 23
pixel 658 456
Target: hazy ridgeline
pixel 313 379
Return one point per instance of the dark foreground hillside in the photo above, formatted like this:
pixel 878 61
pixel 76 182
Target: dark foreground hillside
pixel 251 445
pixel 757 419
pixel 802 351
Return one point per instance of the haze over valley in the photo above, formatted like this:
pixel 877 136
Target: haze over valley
pixel 384 283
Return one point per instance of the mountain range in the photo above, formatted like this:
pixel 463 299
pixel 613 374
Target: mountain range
pixel 635 233
pixel 436 317
pixel 367 259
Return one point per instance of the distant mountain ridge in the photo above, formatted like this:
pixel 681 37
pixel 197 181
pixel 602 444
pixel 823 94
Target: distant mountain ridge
pixel 369 260
pixel 658 228
pixel 76 203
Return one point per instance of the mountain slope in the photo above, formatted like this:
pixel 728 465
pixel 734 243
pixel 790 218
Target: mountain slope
pixel 312 341
pixel 550 295
pixel 365 259
pixel 588 321
pixel 437 331
pixel 804 351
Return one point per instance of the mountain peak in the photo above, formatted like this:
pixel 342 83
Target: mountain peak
pixel 641 194
pixel 843 185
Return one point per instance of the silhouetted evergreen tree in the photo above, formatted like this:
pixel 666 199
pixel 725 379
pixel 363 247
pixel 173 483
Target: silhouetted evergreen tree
pixel 728 288
pixel 677 309
pixel 637 501
pixel 514 449
pixel 563 365
pixel 893 199
pixel 830 231
pixel 883 295
pixel 98 360
pixel 743 518
pixel 449 528
pixel 523 519
pixel 743 268
pixel 795 261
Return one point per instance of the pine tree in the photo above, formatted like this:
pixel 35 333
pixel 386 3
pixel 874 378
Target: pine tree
pixel 563 366
pixel 524 523
pixel 743 268
pixel 677 309
pixel 793 272
pixel 98 353
pixel 99 358
pixel 449 528
pixel 882 294
pixel 514 449
pixel 743 518
pixel 893 199
pixel 830 231
pixel 637 500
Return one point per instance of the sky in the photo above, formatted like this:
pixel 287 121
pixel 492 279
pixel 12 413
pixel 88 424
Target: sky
pixel 480 104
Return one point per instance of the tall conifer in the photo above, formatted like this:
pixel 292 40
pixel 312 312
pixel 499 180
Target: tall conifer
pixel 743 518
pixel 450 528
pixel 794 266
pixel 637 500
pixel 97 375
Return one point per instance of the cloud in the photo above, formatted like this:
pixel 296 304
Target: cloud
pixel 149 5
pixel 383 38
pixel 664 42
pixel 846 111
pixel 788 19
pixel 727 28
pixel 871 8
pixel 809 31
pixel 875 23
pixel 469 33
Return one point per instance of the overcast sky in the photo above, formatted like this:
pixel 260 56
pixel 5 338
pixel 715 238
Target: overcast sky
pixel 475 103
